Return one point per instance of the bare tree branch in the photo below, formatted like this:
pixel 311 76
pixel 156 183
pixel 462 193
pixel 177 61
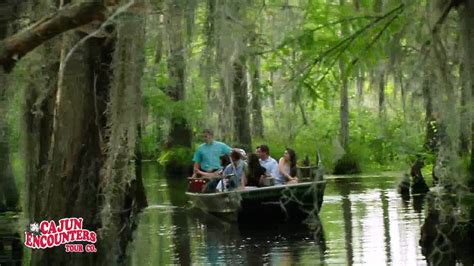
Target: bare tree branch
pixel 72 16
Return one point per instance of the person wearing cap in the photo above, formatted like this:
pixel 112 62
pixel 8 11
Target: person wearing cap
pixel 207 158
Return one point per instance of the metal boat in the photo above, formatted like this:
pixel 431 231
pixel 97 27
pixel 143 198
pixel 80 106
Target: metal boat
pixel 279 202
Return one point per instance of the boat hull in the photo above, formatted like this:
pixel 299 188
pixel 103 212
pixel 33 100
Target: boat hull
pixel 275 203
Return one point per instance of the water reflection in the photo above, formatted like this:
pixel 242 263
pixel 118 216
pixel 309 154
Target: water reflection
pixel 181 240
pixel 378 228
pixel 365 221
pixel 11 247
pixel 418 202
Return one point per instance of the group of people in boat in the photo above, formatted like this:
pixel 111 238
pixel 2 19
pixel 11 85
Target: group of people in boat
pixel 214 160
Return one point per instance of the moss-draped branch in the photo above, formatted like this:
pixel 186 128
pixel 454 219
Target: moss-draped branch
pixel 71 16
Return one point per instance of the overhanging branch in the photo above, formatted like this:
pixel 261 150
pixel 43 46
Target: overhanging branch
pixel 71 16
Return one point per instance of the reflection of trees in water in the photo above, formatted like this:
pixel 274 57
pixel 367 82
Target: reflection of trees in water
pixel 446 236
pixel 257 244
pixel 293 237
pixel 405 201
pixel 418 202
pixel 228 242
pixel 11 247
pixel 181 240
pixel 222 241
pixel 386 225
pixel 345 185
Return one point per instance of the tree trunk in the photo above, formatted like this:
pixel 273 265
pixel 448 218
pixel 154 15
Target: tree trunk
pixel 190 20
pixel 241 114
pixel 123 190
pixel 380 71
pixel 180 134
pixel 38 124
pixel 467 33
pixel 71 161
pixel 403 95
pixel 357 5
pixel 207 68
pixel 225 118
pixel 464 138
pixel 140 193
pixel 8 191
pixel 378 6
pixel 273 98
pixel 159 54
pixel 77 152
pixel 257 118
pixel 344 107
pixel 382 94
pixel 448 126
pixel 431 127
pixel 360 87
pixel 225 48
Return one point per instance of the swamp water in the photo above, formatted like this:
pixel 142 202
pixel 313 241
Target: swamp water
pixel 364 221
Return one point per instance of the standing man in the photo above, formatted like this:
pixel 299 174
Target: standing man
pixel 270 164
pixel 207 156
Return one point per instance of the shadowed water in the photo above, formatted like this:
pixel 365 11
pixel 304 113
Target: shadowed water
pixel 364 221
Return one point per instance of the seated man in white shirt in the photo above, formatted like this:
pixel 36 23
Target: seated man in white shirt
pixel 270 164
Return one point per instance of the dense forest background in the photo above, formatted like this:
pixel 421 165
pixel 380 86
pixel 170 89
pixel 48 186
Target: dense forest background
pixel 90 89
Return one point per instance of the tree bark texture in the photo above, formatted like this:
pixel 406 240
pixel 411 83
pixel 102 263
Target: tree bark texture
pixel 466 94
pixel 257 117
pixel 448 119
pixel 119 181
pixel 431 136
pixel 344 108
pixel 180 134
pixel 208 66
pixel 225 47
pixel 241 114
pixel 344 96
pixel 360 86
pixel 8 191
pixel 467 34
pixel 72 158
pixel 81 134
pixel 381 94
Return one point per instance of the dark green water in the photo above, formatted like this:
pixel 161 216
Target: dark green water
pixel 364 221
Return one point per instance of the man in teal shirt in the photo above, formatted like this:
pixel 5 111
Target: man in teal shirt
pixel 207 157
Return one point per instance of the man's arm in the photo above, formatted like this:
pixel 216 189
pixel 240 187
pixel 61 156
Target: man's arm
pixel 197 163
pixel 195 169
pixel 226 149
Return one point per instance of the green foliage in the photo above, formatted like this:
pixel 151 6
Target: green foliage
pixel 377 147
pixel 177 155
pixel 347 164
pixel 300 69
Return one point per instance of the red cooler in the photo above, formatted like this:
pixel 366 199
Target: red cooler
pixel 196 185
